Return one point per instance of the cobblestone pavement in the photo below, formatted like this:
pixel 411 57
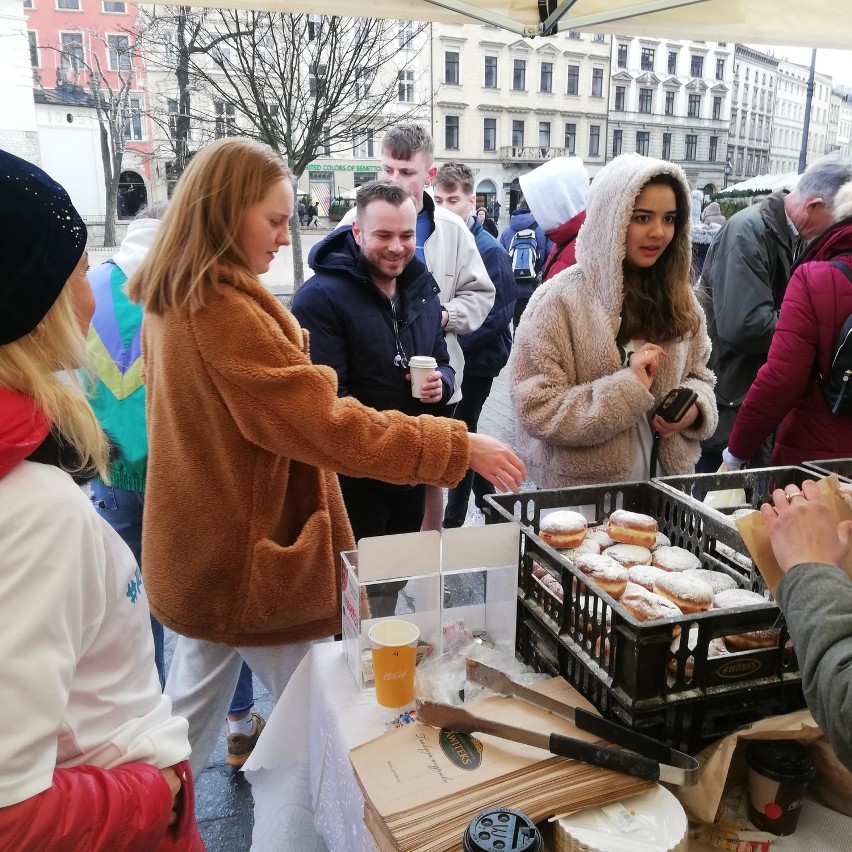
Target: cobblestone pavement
pixel 223 796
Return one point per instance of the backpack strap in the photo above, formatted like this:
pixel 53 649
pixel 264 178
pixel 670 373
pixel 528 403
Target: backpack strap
pixel 839 264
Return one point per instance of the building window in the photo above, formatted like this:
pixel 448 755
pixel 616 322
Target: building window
pixel 667 146
pixel 599 38
pixel 406 86
pixel 451 132
pixel 113 7
pixel 519 75
pixel 68 4
pixel 597 82
pixel 119 52
pixel 621 53
pixel 133 126
pixel 616 142
pixel 546 82
pixel 406 34
pixel 672 67
pixel 33 39
pixel 720 69
pixel 570 139
pixel 517 133
pixel 693 109
pixel 28 4
pixel 573 79
pixel 226 122
pixel 72 55
pixel 451 67
pixel 594 140
pixel 691 147
pixel 717 109
pixel 489 134
pixel 714 144
pixel 619 98
pixel 646 62
pixel 544 134
pixel 316 79
pixel 172 109
pixel 696 66
pixel 365 145
pixel 646 97
pixel 670 96
pixel 573 34
pixel 316 26
pixel 643 141
pixel 490 72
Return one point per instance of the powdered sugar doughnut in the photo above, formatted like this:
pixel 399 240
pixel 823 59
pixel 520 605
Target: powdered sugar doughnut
pixel 629 554
pixel 552 585
pixel 585 546
pixel 661 541
pixel 753 640
pixel 737 598
pixel 632 528
pixel 644 575
pixel 715 579
pixel 604 572
pixel 600 535
pixel 675 559
pixel 563 529
pixel 647 606
pixel 689 593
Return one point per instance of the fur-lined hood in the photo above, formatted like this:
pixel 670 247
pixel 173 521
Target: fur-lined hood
pixel 601 241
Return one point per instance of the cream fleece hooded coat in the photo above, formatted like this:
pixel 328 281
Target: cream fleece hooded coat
pixel 577 407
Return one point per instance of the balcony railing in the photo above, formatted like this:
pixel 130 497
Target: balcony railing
pixel 531 153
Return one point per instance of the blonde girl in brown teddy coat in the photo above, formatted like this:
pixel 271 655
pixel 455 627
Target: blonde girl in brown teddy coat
pixel 604 341
pixel 244 520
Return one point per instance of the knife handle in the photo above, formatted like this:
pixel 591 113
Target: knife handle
pixel 616 733
pixel 607 758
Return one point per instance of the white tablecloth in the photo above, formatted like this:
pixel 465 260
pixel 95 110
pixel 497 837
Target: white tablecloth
pixel 306 798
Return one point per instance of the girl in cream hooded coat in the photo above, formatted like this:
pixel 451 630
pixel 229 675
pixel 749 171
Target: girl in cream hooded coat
pixel 584 414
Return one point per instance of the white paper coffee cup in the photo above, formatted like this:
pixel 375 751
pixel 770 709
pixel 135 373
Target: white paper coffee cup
pixel 421 368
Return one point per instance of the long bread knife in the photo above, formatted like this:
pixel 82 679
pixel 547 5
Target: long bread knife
pixel 675 767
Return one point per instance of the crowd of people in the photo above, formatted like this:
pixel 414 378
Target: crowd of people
pixel 241 446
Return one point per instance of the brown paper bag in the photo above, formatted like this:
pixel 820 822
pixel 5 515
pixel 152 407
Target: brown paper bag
pixel 723 763
pixel 754 533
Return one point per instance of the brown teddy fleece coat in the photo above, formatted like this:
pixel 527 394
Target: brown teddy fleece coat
pixel 244 521
pixel 577 407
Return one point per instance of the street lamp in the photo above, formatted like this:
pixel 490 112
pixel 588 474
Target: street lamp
pixel 728 169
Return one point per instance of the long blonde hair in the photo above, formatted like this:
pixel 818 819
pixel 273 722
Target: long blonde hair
pixel 42 365
pixel 201 227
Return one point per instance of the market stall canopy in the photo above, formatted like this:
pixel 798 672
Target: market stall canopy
pixel 762 184
pixel 819 23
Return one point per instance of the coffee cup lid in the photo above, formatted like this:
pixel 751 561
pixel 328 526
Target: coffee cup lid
pixel 780 760
pixel 502 830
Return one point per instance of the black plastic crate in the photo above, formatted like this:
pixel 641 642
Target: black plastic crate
pixel 637 672
pixel 825 467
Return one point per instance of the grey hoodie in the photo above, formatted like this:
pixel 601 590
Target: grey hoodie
pixel 577 407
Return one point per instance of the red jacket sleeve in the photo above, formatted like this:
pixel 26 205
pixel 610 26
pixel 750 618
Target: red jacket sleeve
pixel 90 809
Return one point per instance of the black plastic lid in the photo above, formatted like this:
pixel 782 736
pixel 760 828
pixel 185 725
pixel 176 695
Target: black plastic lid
pixel 780 760
pixel 502 830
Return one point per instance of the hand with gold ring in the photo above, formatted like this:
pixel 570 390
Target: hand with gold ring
pixel 804 530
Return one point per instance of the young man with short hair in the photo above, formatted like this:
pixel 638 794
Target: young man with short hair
pixel 487 349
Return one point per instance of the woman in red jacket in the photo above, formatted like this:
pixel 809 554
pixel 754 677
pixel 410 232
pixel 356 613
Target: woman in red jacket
pixel 92 756
pixel 817 302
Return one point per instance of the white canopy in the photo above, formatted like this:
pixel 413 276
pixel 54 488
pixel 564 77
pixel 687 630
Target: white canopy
pixel 763 184
pixel 818 23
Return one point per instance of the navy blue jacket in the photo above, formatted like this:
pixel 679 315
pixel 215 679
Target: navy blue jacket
pixel 519 220
pixel 352 326
pixel 487 349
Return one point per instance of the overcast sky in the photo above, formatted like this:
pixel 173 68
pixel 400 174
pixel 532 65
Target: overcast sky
pixel 837 63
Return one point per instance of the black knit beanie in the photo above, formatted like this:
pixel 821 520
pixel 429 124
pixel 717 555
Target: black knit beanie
pixel 43 240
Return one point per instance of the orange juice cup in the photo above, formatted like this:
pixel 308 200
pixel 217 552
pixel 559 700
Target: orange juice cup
pixel 394 645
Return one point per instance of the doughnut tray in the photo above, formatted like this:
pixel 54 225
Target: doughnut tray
pixel 658 677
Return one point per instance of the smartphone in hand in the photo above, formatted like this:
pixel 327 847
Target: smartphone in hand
pixel 675 404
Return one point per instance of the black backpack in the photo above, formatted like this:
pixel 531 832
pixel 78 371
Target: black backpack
pixel 835 386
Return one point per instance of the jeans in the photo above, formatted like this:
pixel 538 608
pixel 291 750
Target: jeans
pixel 475 390
pixel 122 510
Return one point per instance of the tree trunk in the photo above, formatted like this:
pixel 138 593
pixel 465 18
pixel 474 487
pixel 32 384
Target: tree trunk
pixel 296 240
pixel 110 187
pixel 181 141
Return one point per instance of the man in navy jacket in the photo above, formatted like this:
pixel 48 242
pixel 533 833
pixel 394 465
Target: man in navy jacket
pixel 486 350
pixel 370 306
